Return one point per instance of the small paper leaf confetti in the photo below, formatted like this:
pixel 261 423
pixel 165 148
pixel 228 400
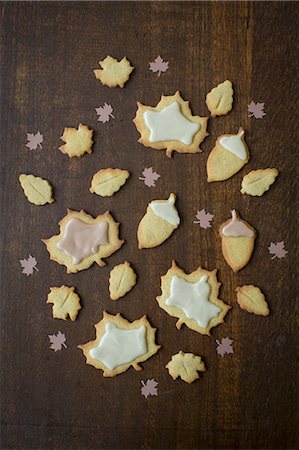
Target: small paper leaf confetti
pixel 277 250
pixel 149 177
pixel 57 341
pixel 29 265
pixel 225 346
pixel 34 140
pixel 159 65
pixel 149 388
pixel 104 113
pixel 204 219
pixel 256 110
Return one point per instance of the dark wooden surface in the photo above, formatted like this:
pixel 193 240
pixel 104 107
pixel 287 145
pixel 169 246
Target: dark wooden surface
pixel 53 400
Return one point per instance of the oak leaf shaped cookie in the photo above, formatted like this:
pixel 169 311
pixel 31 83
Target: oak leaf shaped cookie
pixel 257 182
pixel 108 181
pixel 220 100
pixel 170 125
pixel 65 302
pixel 122 279
pixel 186 366
pixel 192 298
pixel 120 344
pixel 114 73
pixel 84 240
pixel 251 299
pixel 37 190
pixel 77 141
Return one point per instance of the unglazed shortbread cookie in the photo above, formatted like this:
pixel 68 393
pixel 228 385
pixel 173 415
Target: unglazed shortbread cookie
pixel 186 366
pixel 65 302
pixel 257 182
pixel 220 100
pixel 120 344
pixel 122 279
pixel 237 238
pixel 37 190
pixel 77 141
pixel 84 240
pixel 228 156
pixel 251 299
pixel 170 125
pixel 192 298
pixel 114 73
pixel 108 181
pixel 159 222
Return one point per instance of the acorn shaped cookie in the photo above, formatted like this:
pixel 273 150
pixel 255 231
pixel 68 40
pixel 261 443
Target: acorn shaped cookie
pixel 237 238
pixel 228 156
pixel 159 222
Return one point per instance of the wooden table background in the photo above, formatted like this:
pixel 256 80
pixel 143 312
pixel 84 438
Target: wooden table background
pixel 53 400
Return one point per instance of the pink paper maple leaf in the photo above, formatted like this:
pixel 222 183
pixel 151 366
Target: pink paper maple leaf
pixel 34 140
pixel 57 341
pixel 28 265
pixel 204 219
pixel 225 346
pixel 149 177
pixel 277 250
pixel 149 388
pixel 104 113
pixel 256 110
pixel 159 65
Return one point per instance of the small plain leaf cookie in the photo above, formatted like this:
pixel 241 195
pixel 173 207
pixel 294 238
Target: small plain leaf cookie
pixel 192 298
pixel 84 240
pixel 186 366
pixel 220 100
pixel 120 344
pixel 114 73
pixel 122 279
pixel 170 125
pixel 228 156
pixel 108 181
pixel 77 141
pixel 159 222
pixel 251 299
pixel 237 238
pixel 37 190
pixel 65 302
pixel 257 182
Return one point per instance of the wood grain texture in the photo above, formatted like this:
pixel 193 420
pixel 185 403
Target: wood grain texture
pixel 53 400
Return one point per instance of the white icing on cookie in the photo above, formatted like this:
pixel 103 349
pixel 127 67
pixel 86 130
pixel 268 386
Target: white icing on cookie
pixel 119 346
pixel 81 239
pixel 235 144
pixel 170 124
pixel 193 299
pixel 166 210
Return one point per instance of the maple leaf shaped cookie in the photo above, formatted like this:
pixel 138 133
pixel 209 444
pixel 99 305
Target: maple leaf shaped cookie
pixel 114 73
pixel 65 302
pixel 149 388
pixel 77 141
pixel 120 344
pixel 170 126
pixel 186 366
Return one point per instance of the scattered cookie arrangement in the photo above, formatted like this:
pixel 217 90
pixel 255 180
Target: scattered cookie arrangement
pixel 82 240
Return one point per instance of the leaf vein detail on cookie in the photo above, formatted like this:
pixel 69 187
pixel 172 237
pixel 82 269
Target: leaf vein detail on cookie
pixel 108 181
pixel 122 279
pixel 65 302
pixel 257 182
pixel 186 366
pixel 251 299
pixel 220 100
pixel 77 141
pixel 37 190
pixel 113 73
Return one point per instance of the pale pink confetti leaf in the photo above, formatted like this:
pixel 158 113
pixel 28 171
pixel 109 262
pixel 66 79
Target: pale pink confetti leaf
pixel 57 341
pixel 149 388
pixel 34 140
pixel 104 113
pixel 204 219
pixel 149 177
pixel 256 110
pixel 159 65
pixel 29 265
pixel 225 346
pixel 277 250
